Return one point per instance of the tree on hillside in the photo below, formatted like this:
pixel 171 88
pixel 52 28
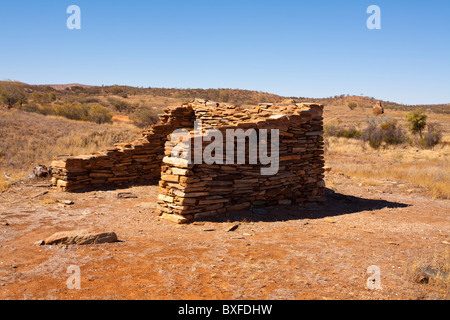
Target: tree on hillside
pixel 12 93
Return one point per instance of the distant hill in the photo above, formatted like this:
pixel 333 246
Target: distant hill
pixel 64 86
pixel 80 92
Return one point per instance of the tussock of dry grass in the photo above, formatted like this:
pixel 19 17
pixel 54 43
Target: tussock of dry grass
pixel 27 140
pixel 438 264
pixel 427 168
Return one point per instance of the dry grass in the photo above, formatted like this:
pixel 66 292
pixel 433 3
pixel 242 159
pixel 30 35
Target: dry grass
pixel 438 265
pixel 427 168
pixel 27 140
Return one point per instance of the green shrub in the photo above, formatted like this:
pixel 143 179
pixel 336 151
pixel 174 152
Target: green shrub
pixel 335 130
pixel 348 133
pixel 417 121
pixel 72 111
pixel 98 114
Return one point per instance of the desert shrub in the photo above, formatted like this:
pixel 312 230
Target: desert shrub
pixel 72 111
pixel 94 113
pixel 88 100
pixel 52 96
pixel 373 135
pixel 352 105
pixel 117 90
pixel 431 138
pixel 417 121
pixel 348 133
pixel 46 110
pixel 392 133
pixel 119 104
pixel 98 114
pixel 144 117
pixel 383 129
pixel 30 107
pixel 335 130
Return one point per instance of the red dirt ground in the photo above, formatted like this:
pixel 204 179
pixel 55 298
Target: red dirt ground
pixel 280 253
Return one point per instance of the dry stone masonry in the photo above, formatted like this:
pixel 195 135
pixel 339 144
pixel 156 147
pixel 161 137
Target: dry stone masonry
pixel 191 190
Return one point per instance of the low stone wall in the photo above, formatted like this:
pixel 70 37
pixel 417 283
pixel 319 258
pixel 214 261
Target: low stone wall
pixel 135 162
pixel 190 191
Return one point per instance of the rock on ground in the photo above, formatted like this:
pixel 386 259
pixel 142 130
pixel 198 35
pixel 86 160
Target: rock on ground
pixel 81 237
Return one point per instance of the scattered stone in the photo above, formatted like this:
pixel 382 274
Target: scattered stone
pixel 175 218
pixel 209 229
pixel 80 237
pixel 39 243
pixel 126 195
pixel 68 202
pixel 6 224
pixel 41 171
pixel 41 194
pixel 233 227
pixel 329 220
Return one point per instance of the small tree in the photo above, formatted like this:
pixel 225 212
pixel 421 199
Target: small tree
pixel 12 93
pixel 352 105
pixel 417 121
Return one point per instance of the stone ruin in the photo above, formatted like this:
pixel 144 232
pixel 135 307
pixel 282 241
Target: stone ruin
pixel 190 190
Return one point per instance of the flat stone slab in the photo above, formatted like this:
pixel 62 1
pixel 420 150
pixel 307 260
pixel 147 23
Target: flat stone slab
pixel 80 237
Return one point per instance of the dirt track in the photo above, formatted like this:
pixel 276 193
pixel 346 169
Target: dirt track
pixel 276 253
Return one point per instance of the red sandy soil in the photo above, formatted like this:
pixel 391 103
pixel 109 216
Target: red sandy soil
pixel 280 253
pixel 120 118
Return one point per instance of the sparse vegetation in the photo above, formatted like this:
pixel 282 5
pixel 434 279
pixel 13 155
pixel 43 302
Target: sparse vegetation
pixel 432 271
pixel 352 105
pixel 335 130
pixel 27 140
pixel 119 104
pixel 383 129
pixel 145 117
pixel 431 138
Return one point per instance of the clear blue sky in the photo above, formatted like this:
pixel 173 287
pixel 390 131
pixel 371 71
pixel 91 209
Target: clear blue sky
pixel 293 48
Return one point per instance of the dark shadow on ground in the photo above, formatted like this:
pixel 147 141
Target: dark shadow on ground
pixel 113 187
pixel 337 204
